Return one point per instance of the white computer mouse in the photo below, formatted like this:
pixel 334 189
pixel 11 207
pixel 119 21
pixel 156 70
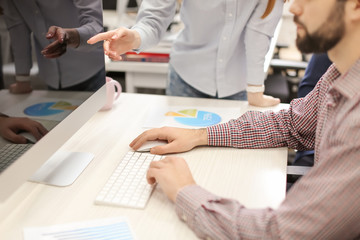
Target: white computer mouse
pixel 150 144
pixel 29 137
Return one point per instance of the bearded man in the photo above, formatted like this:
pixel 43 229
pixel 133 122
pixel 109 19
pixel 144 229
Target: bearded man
pixel 323 204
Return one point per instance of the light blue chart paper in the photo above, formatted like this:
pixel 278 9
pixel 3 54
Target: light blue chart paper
pixel 100 229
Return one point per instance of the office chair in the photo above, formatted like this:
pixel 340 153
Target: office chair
pixel 294 173
pixel 284 80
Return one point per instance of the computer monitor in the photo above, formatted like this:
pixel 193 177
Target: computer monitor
pixel 24 168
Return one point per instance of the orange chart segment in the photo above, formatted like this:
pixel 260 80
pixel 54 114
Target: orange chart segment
pixel 174 114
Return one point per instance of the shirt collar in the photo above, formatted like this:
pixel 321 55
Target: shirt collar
pixel 348 84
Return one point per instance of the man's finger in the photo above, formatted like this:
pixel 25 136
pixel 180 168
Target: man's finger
pixel 106 46
pixel 13 137
pixel 42 130
pixel 156 164
pixel 151 175
pixel 51 32
pixel 163 149
pixel 51 48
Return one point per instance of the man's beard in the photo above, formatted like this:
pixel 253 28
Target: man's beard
pixel 326 36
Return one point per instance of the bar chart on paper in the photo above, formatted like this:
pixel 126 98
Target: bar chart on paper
pixel 101 229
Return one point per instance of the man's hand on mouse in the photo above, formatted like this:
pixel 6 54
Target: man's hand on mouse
pixel 10 126
pixel 179 139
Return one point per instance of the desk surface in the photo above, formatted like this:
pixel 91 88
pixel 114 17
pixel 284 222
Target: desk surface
pixel 254 177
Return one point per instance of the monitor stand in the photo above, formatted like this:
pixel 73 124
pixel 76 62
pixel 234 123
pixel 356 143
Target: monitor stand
pixel 62 168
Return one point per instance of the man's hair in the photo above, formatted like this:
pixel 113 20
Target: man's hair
pixel 269 8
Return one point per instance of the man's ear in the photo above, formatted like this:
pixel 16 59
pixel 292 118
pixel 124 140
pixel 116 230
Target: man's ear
pixel 354 10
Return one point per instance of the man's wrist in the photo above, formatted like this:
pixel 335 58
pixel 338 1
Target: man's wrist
pixel 202 137
pixel 22 78
pixel 74 37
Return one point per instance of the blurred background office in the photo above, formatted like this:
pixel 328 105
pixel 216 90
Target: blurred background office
pixel 48 46
pixel 123 12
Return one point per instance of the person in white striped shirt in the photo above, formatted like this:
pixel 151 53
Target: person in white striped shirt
pixel 323 204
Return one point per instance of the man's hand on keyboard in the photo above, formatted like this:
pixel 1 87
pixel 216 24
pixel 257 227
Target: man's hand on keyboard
pixel 10 126
pixel 179 139
pixel 172 174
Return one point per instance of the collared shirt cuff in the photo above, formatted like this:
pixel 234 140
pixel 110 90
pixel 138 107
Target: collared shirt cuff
pixel 19 78
pixel 142 34
pixel 189 200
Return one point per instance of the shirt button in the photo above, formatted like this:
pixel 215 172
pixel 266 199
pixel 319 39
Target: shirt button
pixel 184 218
pixel 220 60
pixel 208 238
pixel 230 14
pixel 224 38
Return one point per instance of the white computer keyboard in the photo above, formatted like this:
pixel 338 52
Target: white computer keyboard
pixel 10 152
pixel 127 185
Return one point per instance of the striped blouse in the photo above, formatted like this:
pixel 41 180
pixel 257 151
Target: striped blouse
pixel 325 203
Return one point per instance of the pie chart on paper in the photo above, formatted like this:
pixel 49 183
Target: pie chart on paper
pixel 48 108
pixel 195 118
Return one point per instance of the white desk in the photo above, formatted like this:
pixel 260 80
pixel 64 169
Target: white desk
pixel 254 177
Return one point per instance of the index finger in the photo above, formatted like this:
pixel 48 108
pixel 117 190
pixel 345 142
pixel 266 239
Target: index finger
pixel 101 37
pixel 37 130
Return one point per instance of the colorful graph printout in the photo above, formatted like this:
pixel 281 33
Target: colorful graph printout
pixel 52 109
pixel 194 117
pixel 48 108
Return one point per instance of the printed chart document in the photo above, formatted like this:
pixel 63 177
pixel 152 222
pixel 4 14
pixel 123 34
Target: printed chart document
pixel 46 109
pixel 100 229
pixel 187 117
pixel 161 115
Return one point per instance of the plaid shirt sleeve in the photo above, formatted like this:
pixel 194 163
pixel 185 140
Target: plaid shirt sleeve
pixel 293 128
